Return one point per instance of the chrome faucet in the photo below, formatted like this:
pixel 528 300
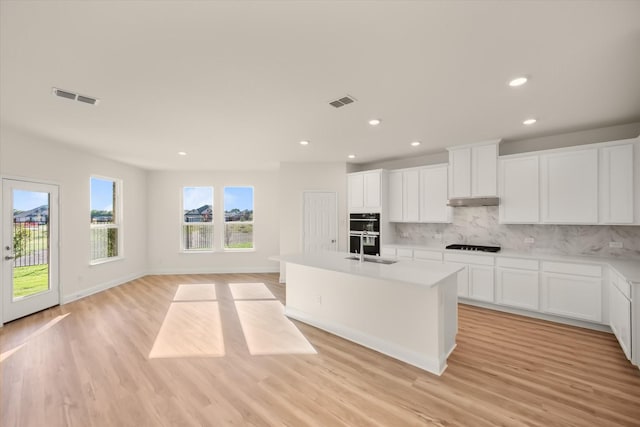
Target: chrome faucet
pixel 364 233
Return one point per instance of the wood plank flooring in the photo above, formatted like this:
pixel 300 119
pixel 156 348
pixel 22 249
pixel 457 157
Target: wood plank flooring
pixel 86 364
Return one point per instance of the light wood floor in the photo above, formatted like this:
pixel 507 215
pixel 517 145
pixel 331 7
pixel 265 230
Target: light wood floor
pixel 86 364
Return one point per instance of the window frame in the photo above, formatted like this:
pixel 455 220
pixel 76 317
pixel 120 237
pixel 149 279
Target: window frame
pixel 252 222
pixel 117 224
pixel 183 223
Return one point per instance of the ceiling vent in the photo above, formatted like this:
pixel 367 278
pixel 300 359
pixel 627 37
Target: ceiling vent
pixel 342 101
pixel 70 95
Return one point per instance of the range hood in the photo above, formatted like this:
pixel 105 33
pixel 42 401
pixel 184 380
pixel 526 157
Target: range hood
pixel 460 202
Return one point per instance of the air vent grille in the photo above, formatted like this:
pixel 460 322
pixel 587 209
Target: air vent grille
pixel 342 101
pixel 70 95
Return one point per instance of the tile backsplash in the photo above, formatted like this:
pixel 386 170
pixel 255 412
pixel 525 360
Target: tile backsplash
pixel 479 225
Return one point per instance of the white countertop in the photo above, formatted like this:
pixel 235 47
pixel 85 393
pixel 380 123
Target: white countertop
pixel 416 273
pixel 628 268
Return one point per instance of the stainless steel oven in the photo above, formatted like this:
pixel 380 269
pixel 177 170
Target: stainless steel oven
pixel 364 233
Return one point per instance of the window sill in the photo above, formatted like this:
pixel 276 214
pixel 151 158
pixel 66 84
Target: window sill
pixel 106 260
pixel 240 250
pixel 204 251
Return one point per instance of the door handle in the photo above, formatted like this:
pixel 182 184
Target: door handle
pixel 333 240
pixel 8 257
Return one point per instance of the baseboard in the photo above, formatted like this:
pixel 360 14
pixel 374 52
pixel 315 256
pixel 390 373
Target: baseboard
pixel 101 287
pixel 214 270
pixel 537 315
pixel 412 358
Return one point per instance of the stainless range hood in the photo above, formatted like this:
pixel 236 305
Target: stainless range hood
pixel 460 202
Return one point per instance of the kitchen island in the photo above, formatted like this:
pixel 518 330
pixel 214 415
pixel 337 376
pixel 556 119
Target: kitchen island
pixel 406 310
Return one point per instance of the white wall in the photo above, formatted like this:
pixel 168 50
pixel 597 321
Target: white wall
pixel 295 178
pixel 36 158
pixel 163 242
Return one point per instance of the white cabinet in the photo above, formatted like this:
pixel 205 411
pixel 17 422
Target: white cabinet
pixel 404 195
pixel 519 190
pixel 411 195
pixel 616 180
pixel 481 283
pixel 484 166
pixel 620 311
pixel 476 281
pixel 460 172
pixel 365 191
pixel 473 170
pixel 433 194
pixel 395 196
pixel 517 283
pixel 572 290
pixel 569 187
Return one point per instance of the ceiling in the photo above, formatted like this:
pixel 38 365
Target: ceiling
pixel 237 84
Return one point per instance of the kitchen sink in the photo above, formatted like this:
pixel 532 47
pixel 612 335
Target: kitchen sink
pixel 374 260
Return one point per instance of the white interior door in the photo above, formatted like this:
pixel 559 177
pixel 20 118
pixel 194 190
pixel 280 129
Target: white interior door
pixel 320 223
pixel 30 248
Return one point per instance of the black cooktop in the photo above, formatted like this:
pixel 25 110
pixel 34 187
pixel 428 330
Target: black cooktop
pixel 474 248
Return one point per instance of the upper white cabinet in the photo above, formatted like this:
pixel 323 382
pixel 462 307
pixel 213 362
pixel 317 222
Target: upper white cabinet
pixel 404 195
pixel 473 170
pixel 365 191
pixel 395 196
pixel 411 195
pixel 433 194
pixel 589 184
pixel 419 194
pixel 569 187
pixel 616 184
pixel 519 190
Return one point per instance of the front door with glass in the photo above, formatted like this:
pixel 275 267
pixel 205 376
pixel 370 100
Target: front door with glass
pixel 30 248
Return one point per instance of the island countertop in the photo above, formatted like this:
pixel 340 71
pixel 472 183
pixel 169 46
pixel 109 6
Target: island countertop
pixel 423 273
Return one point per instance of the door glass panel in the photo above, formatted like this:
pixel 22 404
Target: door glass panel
pixel 30 243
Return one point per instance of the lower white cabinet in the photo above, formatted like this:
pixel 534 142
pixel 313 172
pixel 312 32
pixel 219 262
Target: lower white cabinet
pixel 463 280
pixel 476 280
pixel 481 283
pixel 572 295
pixel 620 311
pixel 518 288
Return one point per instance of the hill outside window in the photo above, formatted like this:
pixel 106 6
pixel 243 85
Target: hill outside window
pixel 238 218
pixel 105 219
pixel 197 219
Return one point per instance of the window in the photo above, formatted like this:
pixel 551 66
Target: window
pixel 106 219
pixel 238 217
pixel 197 219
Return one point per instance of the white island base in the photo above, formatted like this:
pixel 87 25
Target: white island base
pixel 412 322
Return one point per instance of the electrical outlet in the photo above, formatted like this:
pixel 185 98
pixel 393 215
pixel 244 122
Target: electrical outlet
pixel 319 299
pixel 529 240
pixel 438 236
pixel 617 245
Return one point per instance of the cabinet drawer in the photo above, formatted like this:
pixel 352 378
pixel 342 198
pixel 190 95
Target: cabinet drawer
pixel 568 268
pixel 524 264
pixel 404 252
pixel 426 254
pixel 469 259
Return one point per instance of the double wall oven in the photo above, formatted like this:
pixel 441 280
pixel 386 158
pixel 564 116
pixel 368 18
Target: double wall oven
pixel 364 232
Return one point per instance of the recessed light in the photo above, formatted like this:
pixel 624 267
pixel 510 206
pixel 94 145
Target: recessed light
pixel 182 153
pixel 415 143
pixel 374 122
pixel 518 81
pixel 529 122
pixel 351 156
pixel 304 142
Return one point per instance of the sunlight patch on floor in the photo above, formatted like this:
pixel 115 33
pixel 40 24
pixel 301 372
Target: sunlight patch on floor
pixel 6 354
pixel 196 292
pixel 268 331
pixel 190 329
pixel 252 291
